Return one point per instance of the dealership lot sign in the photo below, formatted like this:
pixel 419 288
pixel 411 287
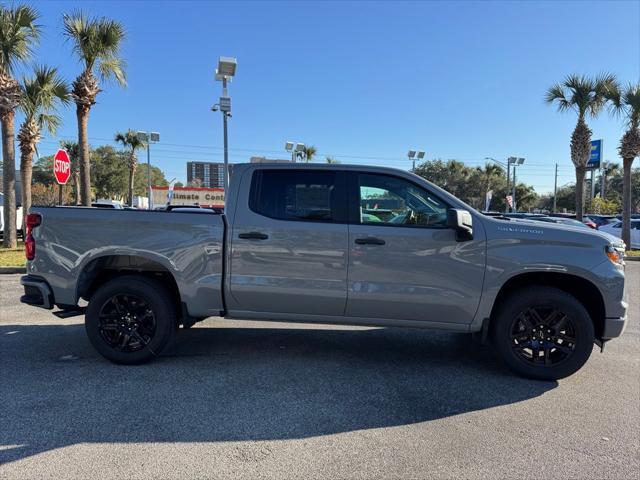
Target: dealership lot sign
pixel 205 197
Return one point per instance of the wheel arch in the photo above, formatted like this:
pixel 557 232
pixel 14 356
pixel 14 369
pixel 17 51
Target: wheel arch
pixel 100 270
pixel 585 291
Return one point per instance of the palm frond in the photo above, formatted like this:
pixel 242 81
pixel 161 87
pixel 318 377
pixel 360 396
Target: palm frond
pixel 49 121
pixel 97 41
pixel 631 98
pixel 113 68
pixel 19 34
pixel 42 94
pixel 130 140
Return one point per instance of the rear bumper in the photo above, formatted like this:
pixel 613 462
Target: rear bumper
pixel 36 292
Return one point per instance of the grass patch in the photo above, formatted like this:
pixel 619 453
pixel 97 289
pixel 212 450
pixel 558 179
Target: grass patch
pixel 10 257
pixel 632 253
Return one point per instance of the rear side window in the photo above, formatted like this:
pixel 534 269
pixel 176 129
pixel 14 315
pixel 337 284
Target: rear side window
pixel 298 195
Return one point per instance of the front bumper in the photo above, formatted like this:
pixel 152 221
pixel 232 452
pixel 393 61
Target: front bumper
pixel 36 292
pixel 614 327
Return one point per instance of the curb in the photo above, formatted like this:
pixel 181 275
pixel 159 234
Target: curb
pixel 632 259
pixel 8 270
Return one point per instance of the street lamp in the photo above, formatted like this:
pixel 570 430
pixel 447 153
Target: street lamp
pixel 224 73
pixel 515 161
pixel 149 138
pixel 413 154
pixel 296 149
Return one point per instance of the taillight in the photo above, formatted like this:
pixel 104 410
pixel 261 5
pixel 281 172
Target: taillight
pixel 33 220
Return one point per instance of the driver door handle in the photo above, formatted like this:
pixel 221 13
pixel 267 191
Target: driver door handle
pixel 253 236
pixel 369 241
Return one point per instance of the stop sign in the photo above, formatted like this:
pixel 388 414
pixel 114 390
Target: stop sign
pixel 61 167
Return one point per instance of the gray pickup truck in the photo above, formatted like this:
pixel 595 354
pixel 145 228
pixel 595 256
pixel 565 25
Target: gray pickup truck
pixel 330 244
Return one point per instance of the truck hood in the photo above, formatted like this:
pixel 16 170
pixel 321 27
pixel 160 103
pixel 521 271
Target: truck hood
pixel 577 231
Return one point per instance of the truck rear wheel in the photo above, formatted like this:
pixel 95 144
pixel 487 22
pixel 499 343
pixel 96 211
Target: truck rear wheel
pixel 130 319
pixel 543 333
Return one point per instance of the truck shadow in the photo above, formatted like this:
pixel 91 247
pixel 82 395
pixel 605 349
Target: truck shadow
pixel 240 384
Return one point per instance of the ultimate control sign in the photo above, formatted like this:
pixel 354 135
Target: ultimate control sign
pixel 205 197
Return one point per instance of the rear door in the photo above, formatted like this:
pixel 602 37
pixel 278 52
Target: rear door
pixel 289 243
pixel 407 264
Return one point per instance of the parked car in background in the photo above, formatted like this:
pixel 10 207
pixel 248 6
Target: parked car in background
pixel 585 219
pixel 615 229
pixel 105 204
pixel 18 218
pixel 601 220
pixel 570 222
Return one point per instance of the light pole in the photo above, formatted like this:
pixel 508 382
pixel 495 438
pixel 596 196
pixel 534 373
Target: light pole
pixel 224 73
pixel 507 168
pixel 413 154
pixel 515 161
pixel 149 138
pixel 296 149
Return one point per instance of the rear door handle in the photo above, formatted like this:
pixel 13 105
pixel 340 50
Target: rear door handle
pixel 253 236
pixel 370 241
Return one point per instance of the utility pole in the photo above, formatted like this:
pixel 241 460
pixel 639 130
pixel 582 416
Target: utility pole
pixel 555 189
pixel 515 209
pixel 506 204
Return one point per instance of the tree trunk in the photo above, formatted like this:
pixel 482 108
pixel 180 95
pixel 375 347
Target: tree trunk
pixel 10 239
pixel 626 201
pixel 132 172
pixel 26 172
pixel 76 187
pixel 83 152
pixel 580 174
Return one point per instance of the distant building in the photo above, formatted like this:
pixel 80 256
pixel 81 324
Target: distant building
pixel 210 174
pixel 207 174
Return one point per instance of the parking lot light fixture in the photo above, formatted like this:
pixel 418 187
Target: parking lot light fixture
pixel 224 73
pixel 148 138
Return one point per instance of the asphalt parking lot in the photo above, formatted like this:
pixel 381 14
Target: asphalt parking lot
pixel 272 400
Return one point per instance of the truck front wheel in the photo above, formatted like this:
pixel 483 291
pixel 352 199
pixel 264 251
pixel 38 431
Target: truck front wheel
pixel 543 333
pixel 130 319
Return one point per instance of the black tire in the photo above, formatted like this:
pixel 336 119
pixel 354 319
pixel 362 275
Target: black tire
pixel 131 319
pixel 549 350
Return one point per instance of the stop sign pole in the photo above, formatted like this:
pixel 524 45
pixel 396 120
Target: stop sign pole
pixel 61 170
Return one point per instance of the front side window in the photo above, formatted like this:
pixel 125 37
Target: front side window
pixel 394 201
pixel 295 195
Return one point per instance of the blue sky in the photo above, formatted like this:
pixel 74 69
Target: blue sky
pixel 362 81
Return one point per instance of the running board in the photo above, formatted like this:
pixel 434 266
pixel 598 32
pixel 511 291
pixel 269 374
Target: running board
pixel 70 313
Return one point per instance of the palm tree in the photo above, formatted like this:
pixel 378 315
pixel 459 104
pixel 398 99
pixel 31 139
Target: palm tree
pixel 130 142
pixel 72 150
pixel 585 96
pixel 609 170
pixel 490 175
pixel 331 159
pixel 307 153
pixel 41 95
pixel 97 43
pixel 626 103
pixel 19 33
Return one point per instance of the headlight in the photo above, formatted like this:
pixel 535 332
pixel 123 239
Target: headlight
pixel 616 256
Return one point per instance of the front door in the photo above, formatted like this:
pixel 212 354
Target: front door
pixel 404 262
pixel 289 244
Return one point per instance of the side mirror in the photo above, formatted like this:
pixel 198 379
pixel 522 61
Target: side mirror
pixel 462 222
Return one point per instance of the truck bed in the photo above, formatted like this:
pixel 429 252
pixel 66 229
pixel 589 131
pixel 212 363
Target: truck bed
pixel 74 245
